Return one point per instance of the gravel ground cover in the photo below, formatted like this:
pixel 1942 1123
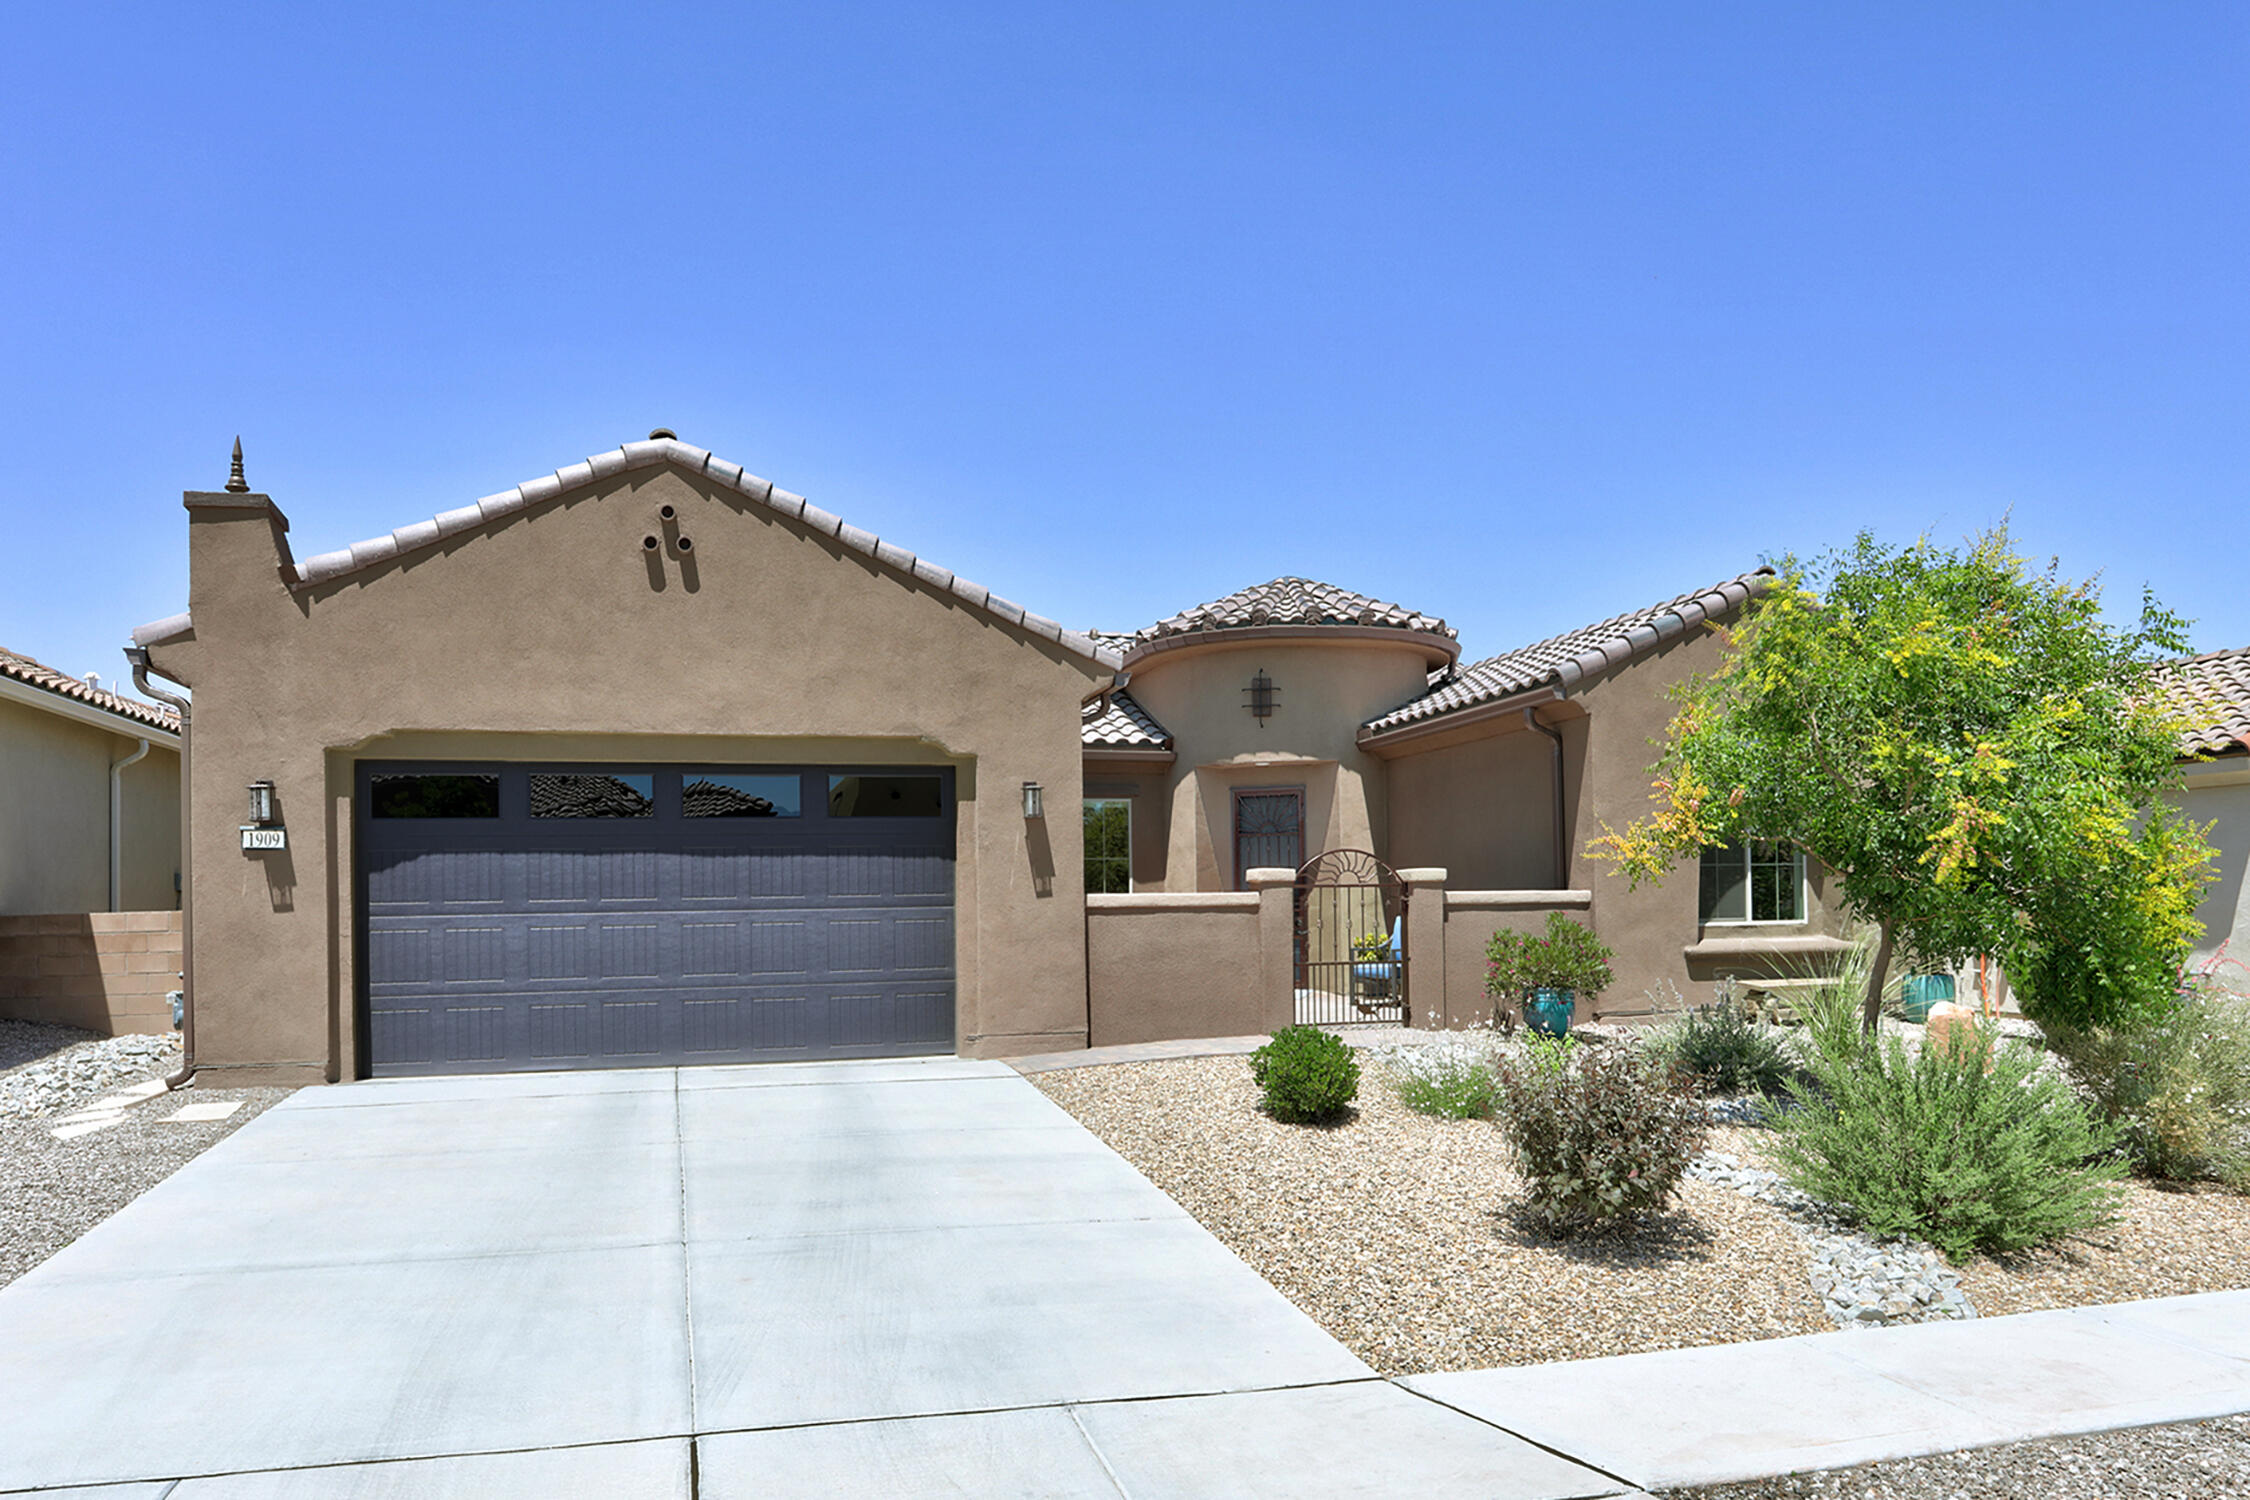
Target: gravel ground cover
pixel 52 1191
pixel 1392 1231
pixel 2168 1242
pixel 2192 1459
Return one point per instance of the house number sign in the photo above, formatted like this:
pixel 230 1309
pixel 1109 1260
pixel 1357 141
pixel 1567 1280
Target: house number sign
pixel 264 838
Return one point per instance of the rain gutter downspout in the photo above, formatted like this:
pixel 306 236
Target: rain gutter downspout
pixel 138 656
pixel 1554 760
pixel 117 824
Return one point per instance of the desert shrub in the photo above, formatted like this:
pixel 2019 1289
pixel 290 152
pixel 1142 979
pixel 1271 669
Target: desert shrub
pixel 1598 1134
pixel 2177 1085
pixel 1967 1146
pixel 1452 1080
pixel 1722 1051
pixel 1309 1076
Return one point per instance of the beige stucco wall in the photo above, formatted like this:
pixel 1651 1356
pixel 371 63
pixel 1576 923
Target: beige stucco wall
pixel 2218 793
pixel 54 816
pixel 1481 805
pixel 552 635
pixel 1186 964
pixel 1328 688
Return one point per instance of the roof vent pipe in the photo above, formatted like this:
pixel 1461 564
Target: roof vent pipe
pixel 138 656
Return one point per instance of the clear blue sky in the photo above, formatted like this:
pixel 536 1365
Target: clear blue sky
pixel 1520 315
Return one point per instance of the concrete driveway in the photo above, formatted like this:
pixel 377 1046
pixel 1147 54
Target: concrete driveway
pixel 897 1279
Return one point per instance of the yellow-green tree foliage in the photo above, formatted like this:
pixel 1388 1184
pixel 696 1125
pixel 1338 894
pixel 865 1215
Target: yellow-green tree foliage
pixel 1970 750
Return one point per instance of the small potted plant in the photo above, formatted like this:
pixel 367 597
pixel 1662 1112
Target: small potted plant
pixel 1544 973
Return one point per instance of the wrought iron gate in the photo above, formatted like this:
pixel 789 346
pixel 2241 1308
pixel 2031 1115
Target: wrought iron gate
pixel 1351 941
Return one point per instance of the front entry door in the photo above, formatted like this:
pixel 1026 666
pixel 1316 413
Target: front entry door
pixel 1269 832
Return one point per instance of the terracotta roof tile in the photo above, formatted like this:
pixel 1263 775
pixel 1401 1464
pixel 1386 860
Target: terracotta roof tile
pixel 21 668
pixel 329 566
pixel 1126 726
pixel 1294 601
pixel 2211 693
pixel 1564 660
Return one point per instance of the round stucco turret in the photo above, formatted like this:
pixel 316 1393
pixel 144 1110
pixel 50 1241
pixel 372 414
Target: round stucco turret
pixel 1265 691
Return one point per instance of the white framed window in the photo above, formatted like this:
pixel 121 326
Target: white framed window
pixel 1753 880
pixel 1109 845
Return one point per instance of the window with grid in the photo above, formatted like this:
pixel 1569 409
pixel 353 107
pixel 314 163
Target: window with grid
pixel 1109 845
pixel 1753 880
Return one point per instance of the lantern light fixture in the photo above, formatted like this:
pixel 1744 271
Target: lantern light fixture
pixel 1034 800
pixel 261 802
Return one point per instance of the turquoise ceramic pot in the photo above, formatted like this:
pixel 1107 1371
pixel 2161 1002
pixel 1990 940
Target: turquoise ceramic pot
pixel 1549 1011
pixel 1918 992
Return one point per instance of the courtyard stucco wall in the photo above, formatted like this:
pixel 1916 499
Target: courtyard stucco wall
pixel 553 634
pixel 1162 966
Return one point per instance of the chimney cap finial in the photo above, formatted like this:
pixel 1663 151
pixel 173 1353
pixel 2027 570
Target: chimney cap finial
pixel 236 484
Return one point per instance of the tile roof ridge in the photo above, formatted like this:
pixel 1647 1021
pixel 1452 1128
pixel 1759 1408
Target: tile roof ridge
pixel 1591 650
pixel 32 672
pixel 326 567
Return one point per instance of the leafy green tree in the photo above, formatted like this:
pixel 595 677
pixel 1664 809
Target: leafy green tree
pixel 1970 750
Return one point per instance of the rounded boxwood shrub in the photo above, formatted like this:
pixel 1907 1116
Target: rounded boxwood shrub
pixel 1309 1075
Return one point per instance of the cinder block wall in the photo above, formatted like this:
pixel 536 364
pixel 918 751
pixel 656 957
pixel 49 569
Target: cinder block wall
pixel 105 971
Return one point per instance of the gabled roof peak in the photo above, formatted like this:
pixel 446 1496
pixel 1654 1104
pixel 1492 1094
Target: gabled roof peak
pixel 360 556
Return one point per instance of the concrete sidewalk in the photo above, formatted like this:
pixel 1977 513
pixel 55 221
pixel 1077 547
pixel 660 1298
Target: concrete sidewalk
pixel 1830 1400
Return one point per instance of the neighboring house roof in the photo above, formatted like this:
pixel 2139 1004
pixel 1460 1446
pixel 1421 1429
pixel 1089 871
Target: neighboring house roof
pixel 2211 694
pixel 1562 661
pixel 1124 726
pixel 327 567
pixel 1285 601
pixel 20 668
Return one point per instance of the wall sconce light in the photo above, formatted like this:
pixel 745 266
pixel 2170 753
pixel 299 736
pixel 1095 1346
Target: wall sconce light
pixel 261 832
pixel 1034 800
pixel 1261 697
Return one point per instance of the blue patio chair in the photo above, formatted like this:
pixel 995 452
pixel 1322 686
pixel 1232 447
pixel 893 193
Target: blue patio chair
pixel 1379 977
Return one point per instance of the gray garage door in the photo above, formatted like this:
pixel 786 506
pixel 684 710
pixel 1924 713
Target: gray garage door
pixel 532 917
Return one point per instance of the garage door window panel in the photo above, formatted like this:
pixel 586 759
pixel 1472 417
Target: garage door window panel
pixel 435 797
pixel 865 796
pixel 581 794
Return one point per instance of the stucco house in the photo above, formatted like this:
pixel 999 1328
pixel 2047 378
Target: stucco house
pixel 89 852
pixel 2211 696
pixel 648 760
pixel 90 816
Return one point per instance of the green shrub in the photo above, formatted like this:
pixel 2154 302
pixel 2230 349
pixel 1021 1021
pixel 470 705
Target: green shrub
pixel 1452 1080
pixel 1567 956
pixel 2177 1085
pixel 1968 1146
pixel 1723 1051
pixel 1598 1134
pixel 1309 1075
